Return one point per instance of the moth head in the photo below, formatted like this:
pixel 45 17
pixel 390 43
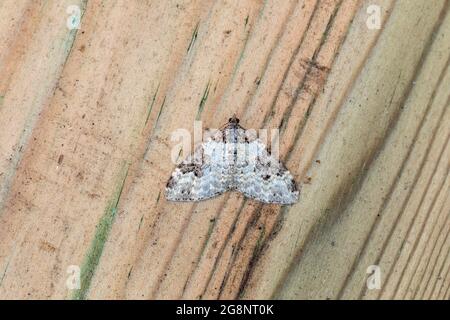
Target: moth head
pixel 233 120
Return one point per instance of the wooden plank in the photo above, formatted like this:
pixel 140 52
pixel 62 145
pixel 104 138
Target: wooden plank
pixel 320 255
pixel 87 117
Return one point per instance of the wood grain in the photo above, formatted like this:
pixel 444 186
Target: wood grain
pixel 86 118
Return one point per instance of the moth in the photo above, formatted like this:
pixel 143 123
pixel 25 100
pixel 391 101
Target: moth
pixel 232 159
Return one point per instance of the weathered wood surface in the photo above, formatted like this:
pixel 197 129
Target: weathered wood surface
pixel 86 117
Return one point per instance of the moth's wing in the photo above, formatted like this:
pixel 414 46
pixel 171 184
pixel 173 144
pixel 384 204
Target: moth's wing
pixel 201 176
pixel 261 176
